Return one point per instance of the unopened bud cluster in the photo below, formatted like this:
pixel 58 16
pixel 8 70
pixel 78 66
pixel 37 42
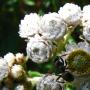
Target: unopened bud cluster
pixel 12 71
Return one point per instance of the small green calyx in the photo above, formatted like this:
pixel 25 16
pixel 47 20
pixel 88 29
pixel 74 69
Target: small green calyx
pixel 79 62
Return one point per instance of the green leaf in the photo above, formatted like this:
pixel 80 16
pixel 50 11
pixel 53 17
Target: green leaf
pixel 29 2
pixel 34 74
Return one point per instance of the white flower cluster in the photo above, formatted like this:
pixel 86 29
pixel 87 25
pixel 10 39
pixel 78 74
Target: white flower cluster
pixel 40 31
pixel 73 15
pixel 14 62
pixel 9 65
pixel 12 59
pixel 52 27
pixel 12 71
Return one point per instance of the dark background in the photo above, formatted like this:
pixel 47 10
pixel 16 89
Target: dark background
pixel 12 11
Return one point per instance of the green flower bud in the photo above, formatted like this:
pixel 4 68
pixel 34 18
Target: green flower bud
pixel 79 62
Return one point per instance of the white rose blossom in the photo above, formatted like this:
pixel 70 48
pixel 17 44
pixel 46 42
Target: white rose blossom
pixel 10 58
pixel 52 26
pixel 71 14
pixel 39 50
pixel 4 69
pixel 85 15
pixel 29 26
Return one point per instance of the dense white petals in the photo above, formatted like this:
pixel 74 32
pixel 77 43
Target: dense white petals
pixel 71 47
pixel 4 69
pixel 29 26
pixel 38 50
pixel 86 15
pixel 52 26
pixel 48 82
pixel 86 31
pixel 71 14
pixel 86 8
pixel 10 58
pixel 81 45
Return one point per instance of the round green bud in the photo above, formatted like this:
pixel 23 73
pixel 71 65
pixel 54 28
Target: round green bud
pixel 79 62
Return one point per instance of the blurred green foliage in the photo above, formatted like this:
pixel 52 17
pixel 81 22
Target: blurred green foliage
pixel 12 11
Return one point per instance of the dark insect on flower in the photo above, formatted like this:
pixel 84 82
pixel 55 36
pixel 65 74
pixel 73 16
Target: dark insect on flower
pixel 61 66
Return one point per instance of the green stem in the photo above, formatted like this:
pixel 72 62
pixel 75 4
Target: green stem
pixel 34 74
pixel 66 38
pixel 68 35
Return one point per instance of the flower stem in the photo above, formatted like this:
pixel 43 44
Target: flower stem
pixel 68 35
